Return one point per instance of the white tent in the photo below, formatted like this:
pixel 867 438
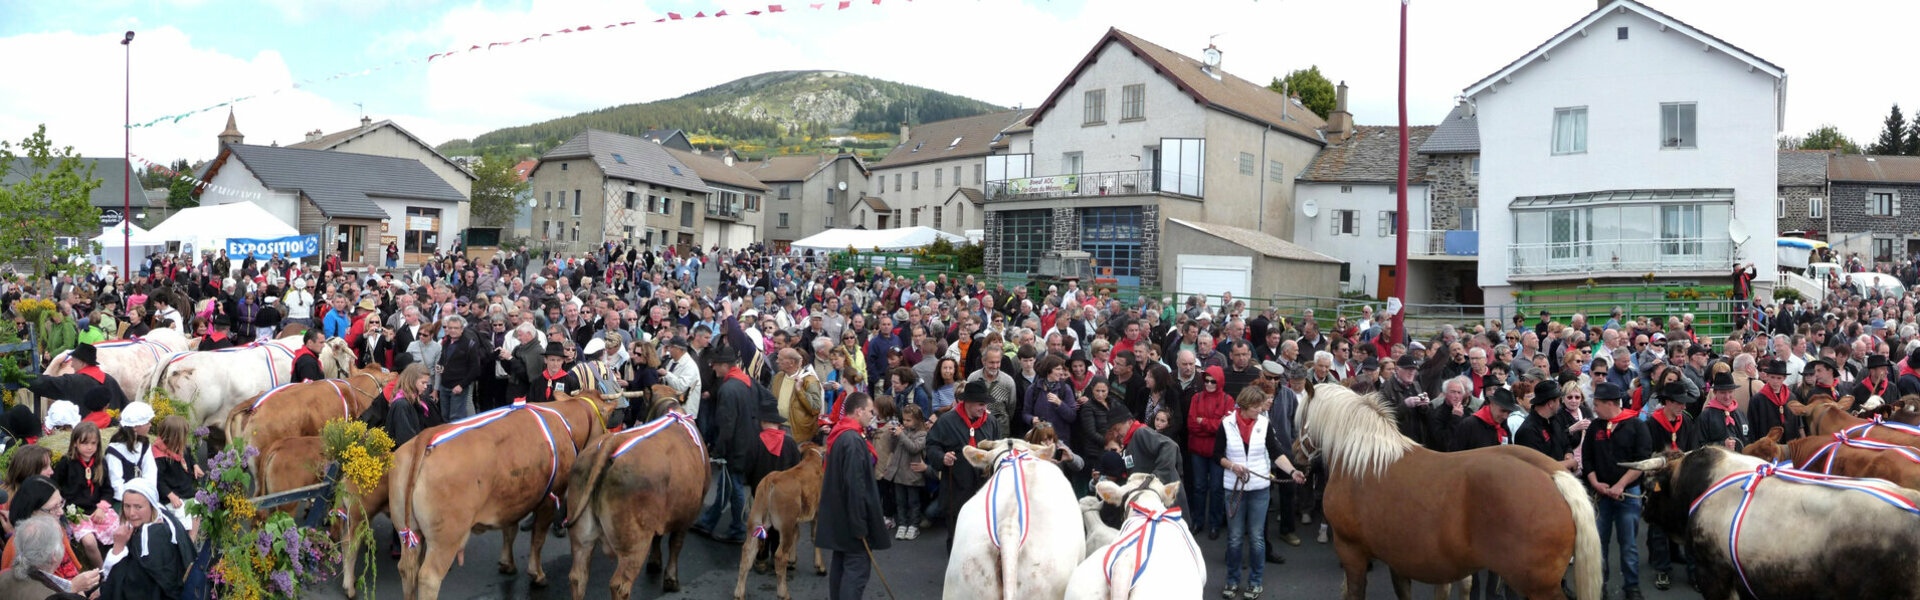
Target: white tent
pixel 112 239
pixel 208 227
pixel 865 240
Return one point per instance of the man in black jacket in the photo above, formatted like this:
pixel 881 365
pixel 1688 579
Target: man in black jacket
pixel 1616 438
pixel 1488 426
pixel 306 360
pixel 957 429
pixel 735 431
pixel 1721 422
pixel 1672 430
pixel 1539 432
pixel 461 365
pixel 850 524
pixel 73 387
pixel 1402 395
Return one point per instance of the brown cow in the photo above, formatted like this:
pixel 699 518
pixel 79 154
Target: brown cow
pixel 784 500
pixel 295 462
pixel 1825 417
pixel 488 477
pixel 1848 461
pixel 302 409
pixel 631 487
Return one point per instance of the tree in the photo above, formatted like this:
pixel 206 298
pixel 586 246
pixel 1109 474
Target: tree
pixel 180 189
pixel 496 188
pixel 1314 89
pixel 1892 136
pixel 1826 137
pixel 49 201
pixel 1912 145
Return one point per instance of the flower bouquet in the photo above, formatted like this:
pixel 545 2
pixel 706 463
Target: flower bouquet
pixel 256 557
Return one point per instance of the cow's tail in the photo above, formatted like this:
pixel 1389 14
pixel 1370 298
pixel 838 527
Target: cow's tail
pixel 1588 562
pixel 407 463
pixel 1010 543
pixel 580 493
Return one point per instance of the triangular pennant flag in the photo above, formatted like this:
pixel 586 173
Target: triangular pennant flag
pixel 625 23
pixel 567 30
pixel 673 16
pixel 816 6
pixel 659 20
pixel 774 8
pixel 583 28
pixel 430 58
pixel 525 40
pixel 845 3
pixel 700 15
pixel 754 13
pixel 722 13
pixel 544 35
pixel 473 48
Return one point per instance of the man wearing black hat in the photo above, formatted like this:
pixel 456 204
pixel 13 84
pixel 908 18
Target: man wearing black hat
pixel 1721 421
pixel 1873 385
pixel 73 387
pixel 1821 378
pixel 556 378
pixel 773 451
pixel 1487 426
pixel 1539 432
pixel 965 426
pixel 217 337
pixel 1768 409
pixel 1402 395
pixel 1672 430
pixel 1617 438
pixel 734 416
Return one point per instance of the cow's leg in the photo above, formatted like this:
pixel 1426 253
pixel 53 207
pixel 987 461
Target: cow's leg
pixel 1402 586
pixel 629 570
pixel 675 540
pixel 583 535
pixel 789 546
pixel 747 550
pixel 507 535
pixel 433 567
pixel 409 566
pixel 1353 560
pixel 542 521
pixel 819 564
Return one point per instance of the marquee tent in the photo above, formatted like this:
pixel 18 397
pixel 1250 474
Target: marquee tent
pixel 208 227
pixel 111 240
pixel 905 238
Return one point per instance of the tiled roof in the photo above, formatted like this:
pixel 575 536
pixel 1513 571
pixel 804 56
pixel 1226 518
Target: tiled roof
pixel 1259 242
pixel 1803 167
pixel 716 171
pixel 875 203
pixel 1228 93
pixel 1370 155
pixel 525 168
pixel 1873 169
pixel 331 140
pixel 971 194
pixel 627 157
pixel 343 184
pixel 796 167
pixel 953 138
pixel 1459 133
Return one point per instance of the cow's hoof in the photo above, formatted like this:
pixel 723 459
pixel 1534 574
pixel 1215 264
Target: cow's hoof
pixel 672 585
pixel 762 567
pixel 538 580
pixel 820 571
pixel 506 569
pixel 653 568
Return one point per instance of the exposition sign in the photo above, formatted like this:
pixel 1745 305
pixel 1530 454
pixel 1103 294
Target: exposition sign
pixel 295 246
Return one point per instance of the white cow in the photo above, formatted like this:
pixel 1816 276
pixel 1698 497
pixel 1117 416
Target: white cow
pixel 216 381
pixel 1154 557
pixel 131 361
pixel 1098 533
pixel 1020 530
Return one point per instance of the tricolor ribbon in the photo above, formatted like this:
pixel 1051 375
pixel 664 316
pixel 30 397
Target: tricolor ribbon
pixel 273 372
pixel 759 532
pixel 153 348
pixel 1832 450
pixel 463 426
pixel 338 514
pixel 1009 468
pixel 1747 481
pixel 411 539
pixel 1137 539
pixel 654 427
pixel 1862 429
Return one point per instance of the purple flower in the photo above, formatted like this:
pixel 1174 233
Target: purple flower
pixel 201 432
pixel 252 452
pixel 283 581
pixel 205 498
pixel 265 543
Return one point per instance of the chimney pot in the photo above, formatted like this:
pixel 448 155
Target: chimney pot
pixel 366 121
pixel 313 135
pixel 903 132
pixel 1340 122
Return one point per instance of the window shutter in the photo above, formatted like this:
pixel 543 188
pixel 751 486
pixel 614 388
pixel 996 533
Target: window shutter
pixel 1896 204
pixel 1335 222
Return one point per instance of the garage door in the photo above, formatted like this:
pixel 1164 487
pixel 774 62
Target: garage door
pixel 1213 275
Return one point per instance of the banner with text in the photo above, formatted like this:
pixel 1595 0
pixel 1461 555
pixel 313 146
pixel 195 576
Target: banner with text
pixel 295 246
pixel 1050 185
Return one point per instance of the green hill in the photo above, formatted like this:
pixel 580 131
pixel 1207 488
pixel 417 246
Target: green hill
pixel 780 112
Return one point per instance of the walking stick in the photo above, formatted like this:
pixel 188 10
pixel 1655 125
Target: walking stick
pixel 876 567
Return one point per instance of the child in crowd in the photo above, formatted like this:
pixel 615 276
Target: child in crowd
pixel 82 478
pixel 906 467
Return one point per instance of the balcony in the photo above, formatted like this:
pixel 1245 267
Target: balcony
pixel 1107 183
pixel 1660 256
pixel 723 211
pixel 1443 244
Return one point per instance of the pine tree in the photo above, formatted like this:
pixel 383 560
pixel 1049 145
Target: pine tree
pixel 1912 146
pixel 1893 137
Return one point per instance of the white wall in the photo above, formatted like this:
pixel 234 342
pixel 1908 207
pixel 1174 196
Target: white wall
pixel 1622 83
pixel 450 221
pixel 1368 250
pixel 235 176
pixel 929 195
pixel 1115 146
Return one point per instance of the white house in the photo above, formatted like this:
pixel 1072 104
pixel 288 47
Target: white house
pixel 1630 143
pixel 1349 208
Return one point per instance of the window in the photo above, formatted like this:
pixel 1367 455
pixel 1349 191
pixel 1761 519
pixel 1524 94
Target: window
pixel 936 217
pixel 786 192
pixel 1389 223
pixel 939 178
pixel 627 231
pixel 666 205
pixel 1072 162
pixel 1346 222
pixel 1112 236
pixel 1276 171
pixel 916 180
pixel 1346 189
pixel 686 214
pixel 619 159
pixel 547 202
pixel 674 168
pixel 1133 102
pixel 1676 125
pixel 1346 272
pixel 1883 249
pixel 576 203
pixel 1096 107
pixel 960 215
pixel 1473 169
pixel 783 219
pixel 956 176
pixel 1469 219
pixel 753 202
pixel 630 200
pixel 546 228
pixel 916 218
pixel 1246 163
pixel 1620 33
pixel 1570 130
pixel 976 173
pixel 829 221
pixel 1780 205
pixel 576 232
pixel 1024 237
pixel 896 182
pixel 1883 204
pixel 895 221
pixel 1680 229
pixel 563 166
pixel 1183 162
pixel 1816 208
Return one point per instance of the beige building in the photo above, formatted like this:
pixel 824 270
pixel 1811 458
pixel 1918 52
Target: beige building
pixel 410 223
pixel 934 177
pixel 735 209
pixel 809 194
pixel 601 187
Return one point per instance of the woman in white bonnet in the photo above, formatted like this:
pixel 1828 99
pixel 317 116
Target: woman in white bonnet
pixel 152 550
pixel 62 416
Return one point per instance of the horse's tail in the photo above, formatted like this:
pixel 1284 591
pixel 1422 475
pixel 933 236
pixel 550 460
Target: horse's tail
pixel 1588 562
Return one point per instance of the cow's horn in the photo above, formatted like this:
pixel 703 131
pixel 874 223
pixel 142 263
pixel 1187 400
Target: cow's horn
pixel 1652 464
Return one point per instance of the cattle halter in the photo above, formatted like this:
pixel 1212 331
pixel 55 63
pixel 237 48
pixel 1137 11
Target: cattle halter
pixel 1749 480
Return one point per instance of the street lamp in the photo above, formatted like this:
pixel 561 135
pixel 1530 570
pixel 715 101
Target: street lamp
pixel 126 188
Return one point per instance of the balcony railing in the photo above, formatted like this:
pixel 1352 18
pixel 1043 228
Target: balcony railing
pixel 727 211
pixel 1107 183
pixel 1443 243
pixel 1630 257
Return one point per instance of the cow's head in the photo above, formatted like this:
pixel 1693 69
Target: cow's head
pixel 1905 410
pixel 1140 484
pixel 1672 480
pixel 1767 448
pixel 984 455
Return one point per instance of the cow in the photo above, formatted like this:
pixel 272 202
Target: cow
pixel 782 502
pixel 1824 418
pixel 1018 537
pixel 1844 456
pixel 632 487
pixel 295 462
pixel 301 409
pixel 1153 557
pixel 1864 532
pixel 213 382
pixel 1098 533
pixel 486 472
pixel 131 361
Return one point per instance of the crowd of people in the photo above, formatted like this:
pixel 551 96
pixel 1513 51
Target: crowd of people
pixel 768 349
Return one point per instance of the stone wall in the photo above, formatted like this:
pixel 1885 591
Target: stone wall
pixel 1794 216
pixel 991 255
pixel 1450 176
pixel 1848 209
pixel 1066 229
pixel 1150 245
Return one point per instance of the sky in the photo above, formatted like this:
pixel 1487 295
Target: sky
pixel 190 54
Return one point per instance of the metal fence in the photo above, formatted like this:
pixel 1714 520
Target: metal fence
pixel 1621 256
pixel 1105 183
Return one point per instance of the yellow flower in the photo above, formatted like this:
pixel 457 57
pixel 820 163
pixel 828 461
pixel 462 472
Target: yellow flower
pixel 240 506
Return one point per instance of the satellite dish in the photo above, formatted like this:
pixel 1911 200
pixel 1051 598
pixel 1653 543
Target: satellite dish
pixel 1737 231
pixel 1212 56
pixel 1310 208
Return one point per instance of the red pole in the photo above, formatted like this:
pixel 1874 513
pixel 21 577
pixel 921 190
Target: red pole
pixel 1400 234
pixel 126 189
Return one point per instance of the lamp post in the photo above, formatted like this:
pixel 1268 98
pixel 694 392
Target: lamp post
pixel 126 189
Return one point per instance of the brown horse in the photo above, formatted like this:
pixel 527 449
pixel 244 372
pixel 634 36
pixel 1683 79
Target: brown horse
pixel 632 487
pixel 486 477
pixel 296 462
pixel 1506 508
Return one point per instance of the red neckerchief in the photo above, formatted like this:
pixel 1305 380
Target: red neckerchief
pixel 1780 400
pixel 1606 432
pixel 774 439
pixel 216 336
pixel 86 464
pixel 739 375
pixel 1638 398
pixel 1673 429
pixel 1129 438
pixel 162 451
pixel 552 376
pixel 973 427
pixel 1728 407
pixel 849 424
pixel 303 351
pixel 1246 429
pixel 93 372
pixel 1832 390
pixel 1879 392
pixel 1485 414
pixel 1478 379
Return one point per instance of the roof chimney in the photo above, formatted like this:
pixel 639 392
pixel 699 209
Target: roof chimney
pixel 727 157
pixel 313 136
pixel 1340 123
pixel 365 121
pixel 903 132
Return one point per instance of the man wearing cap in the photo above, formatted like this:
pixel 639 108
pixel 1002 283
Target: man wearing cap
pixel 1619 437
pixel 1365 379
pixel 1540 433
pixel 955 430
pixel 1721 421
pixel 1402 395
pixel 734 419
pixel 217 337
pixel 683 375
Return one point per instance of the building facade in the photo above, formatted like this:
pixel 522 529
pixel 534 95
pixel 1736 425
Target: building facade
pixel 1867 216
pixel 734 207
pixel 930 179
pixel 345 198
pixel 1803 195
pixel 808 194
pixel 418 220
pixel 600 187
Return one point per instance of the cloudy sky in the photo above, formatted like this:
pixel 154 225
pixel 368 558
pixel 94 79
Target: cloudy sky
pixel 65 67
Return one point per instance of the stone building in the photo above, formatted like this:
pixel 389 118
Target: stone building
pixel 1803 193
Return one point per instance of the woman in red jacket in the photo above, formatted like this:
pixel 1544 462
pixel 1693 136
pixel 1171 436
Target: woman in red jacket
pixel 1204 416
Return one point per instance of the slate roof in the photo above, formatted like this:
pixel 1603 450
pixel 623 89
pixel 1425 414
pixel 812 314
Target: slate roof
pixel 928 142
pixel 1229 94
pixel 716 171
pixel 665 137
pixel 1873 169
pixel 1259 242
pixel 1803 167
pixel 112 173
pixel 797 167
pixel 1459 133
pixel 1644 10
pixel 627 157
pixel 1370 155
pixel 332 140
pixel 875 203
pixel 971 194
pixel 341 184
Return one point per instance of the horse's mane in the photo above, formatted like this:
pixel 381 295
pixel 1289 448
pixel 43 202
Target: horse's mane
pixel 1358 435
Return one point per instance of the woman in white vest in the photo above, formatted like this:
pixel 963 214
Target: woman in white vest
pixel 1252 456
pixel 299 303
